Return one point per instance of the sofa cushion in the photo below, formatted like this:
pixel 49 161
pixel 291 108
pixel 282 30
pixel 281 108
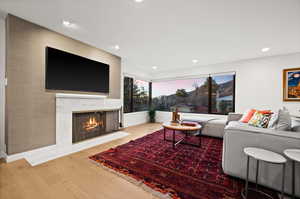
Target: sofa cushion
pixel 234 117
pixel 247 115
pixel 199 119
pixel 214 128
pixel 284 122
pixel 260 120
pixel 242 127
pixel 274 119
pixel 296 128
pixel 210 126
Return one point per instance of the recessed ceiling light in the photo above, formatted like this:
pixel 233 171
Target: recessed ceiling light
pixel 66 23
pixel 69 24
pixel 195 61
pixel 117 47
pixel 154 67
pixel 138 1
pixel 265 49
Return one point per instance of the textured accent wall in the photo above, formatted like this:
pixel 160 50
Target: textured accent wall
pixel 30 108
pixel 2 86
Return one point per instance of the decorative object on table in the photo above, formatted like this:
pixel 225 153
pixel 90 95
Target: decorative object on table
pixel 175 116
pixel 294 155
pixel 265 156
pixel 188 124
pixel 152 113
pixel 185 173
pixel 186 130
pixel 291 84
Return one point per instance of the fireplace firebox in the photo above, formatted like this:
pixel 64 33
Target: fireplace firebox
pixel 90 124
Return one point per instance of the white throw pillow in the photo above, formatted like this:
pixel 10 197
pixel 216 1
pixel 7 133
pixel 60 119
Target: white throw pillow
pixel 284 122
pixel 273 121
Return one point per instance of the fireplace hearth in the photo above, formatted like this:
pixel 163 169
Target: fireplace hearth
pixel 90 124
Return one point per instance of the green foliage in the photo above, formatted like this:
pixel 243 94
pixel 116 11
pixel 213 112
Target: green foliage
pixel 152 113
pixel 181 93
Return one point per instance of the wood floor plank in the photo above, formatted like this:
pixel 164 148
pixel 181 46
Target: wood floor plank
pixel 72 177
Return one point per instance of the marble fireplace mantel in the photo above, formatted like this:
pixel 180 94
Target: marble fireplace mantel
pixel 66 104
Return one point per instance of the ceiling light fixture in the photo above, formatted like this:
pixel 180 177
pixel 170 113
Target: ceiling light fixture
pixel 138 1
pixel 195 61
pixel 66 23
pixel 154 67
pixel 69 24
pixel 117 47
pixel 265 49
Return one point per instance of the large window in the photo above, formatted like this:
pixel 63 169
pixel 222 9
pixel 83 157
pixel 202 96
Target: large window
pixel 214 94
pixel 190 95
pixel 136 95
pixel 128 85
pixel 222 94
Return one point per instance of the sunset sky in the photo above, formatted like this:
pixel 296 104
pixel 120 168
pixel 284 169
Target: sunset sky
pixel 170 87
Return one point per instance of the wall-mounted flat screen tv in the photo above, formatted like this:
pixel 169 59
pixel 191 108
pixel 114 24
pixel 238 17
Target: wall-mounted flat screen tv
pixel 66 71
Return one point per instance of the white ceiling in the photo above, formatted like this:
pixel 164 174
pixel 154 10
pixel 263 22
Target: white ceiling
pixel 171 33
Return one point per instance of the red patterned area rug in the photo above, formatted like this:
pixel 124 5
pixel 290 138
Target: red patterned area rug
pixel 186 172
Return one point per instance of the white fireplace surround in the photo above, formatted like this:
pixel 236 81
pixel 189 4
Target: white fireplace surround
pixel 66 104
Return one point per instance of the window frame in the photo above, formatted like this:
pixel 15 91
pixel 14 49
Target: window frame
pixel 150 96
pixel 131 103
pixel 210 96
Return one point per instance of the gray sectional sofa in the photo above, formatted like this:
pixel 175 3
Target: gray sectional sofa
pixel 239 135
pixel 236 136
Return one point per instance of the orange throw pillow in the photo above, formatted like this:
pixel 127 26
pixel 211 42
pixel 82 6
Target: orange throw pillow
pixel 265 112
pixel 247 116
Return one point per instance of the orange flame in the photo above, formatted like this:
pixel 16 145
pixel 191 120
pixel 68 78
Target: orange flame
pixel 92 124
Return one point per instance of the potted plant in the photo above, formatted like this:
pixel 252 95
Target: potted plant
pixel 152 115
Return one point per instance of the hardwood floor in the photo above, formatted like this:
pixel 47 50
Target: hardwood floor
pixel 71 177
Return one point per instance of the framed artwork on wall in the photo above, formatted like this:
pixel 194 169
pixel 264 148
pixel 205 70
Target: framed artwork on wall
pixel 291 84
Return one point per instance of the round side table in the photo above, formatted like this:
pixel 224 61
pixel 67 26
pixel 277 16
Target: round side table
pixel 266 156
pixel 294 155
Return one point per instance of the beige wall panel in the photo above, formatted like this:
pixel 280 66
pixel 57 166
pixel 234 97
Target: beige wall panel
pixel 30 108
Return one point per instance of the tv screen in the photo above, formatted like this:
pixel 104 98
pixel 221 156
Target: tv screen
pixel 66 71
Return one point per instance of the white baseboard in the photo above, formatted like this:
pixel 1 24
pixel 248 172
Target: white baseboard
pixel 3 154
pixel 41 155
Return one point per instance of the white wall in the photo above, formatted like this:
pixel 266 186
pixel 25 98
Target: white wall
pixel 136 118
pixel 258 81
pixel 163 116
pixel 258 84
pixel 2 86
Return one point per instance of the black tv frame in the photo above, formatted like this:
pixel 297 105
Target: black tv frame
pixel 69 90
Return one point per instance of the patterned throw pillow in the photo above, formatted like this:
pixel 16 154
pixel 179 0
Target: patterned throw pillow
pixel 260 120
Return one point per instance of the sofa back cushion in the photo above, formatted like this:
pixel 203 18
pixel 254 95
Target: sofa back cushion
pixel 296 128
pixel 284 121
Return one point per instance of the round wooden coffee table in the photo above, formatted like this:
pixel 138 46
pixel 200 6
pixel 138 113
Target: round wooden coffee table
pixel 186 129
